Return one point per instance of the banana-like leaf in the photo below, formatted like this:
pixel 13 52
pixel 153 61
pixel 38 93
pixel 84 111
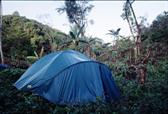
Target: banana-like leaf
pixel 72 35
pixel 83 41
pixel 80 30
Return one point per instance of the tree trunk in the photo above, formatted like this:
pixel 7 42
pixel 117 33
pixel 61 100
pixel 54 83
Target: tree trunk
pixel 1 52
pixel 130 26
pixel 138 40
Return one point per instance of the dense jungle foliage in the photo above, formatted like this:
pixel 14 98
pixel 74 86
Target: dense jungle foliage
pixel 29 35
pixel 24 39
pixel 151 98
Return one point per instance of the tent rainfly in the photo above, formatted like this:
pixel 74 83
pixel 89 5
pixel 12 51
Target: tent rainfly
pixel 69 78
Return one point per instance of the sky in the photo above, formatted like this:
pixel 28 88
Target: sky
pixel 106 15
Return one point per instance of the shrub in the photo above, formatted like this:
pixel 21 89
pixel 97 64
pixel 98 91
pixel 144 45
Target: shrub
pixel 152 97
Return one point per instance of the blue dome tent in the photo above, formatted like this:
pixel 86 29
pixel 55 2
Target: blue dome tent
pixel 69 78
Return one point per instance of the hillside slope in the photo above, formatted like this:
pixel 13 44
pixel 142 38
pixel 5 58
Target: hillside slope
pixel 22 36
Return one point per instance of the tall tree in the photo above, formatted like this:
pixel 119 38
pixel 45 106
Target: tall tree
pixel 131 18
pixel 1 52
pixel 159 28
pixel 77 12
